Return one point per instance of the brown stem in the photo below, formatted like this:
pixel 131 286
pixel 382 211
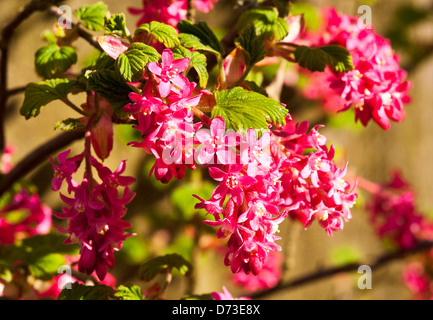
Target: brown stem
pixel 36 157
pixel 6 36
pixel 322 274
pixel 81 32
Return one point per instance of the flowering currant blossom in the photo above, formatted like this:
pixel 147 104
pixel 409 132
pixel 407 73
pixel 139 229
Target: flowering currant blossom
pixel 249 204
pixel 394 215
pixel 226 295
pixel 95 212
pixel 376 88
pixel 268 278
pixel 216 143
pixel 165 118
pixel 36 217
pixel 168 11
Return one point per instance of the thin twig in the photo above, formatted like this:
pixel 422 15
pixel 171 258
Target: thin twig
pixel 36 157
pixel 322 274
pixel 81 32
pixel 6 36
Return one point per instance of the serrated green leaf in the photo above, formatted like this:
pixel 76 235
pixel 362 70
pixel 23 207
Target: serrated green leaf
pixel 163 264
pixel 132 62
pixel 252 46
pixel 265 21
pixel 198 63
pixel 242 109
pixel 129 292
pixel 162 32
pixel 116 25
pixel 198 37
pixel 39 94
pixel 316 59
pixel 110 85
pixel 52 61
pixel 69 124
pixel 92 17
pixel 82 292
pixel 124 67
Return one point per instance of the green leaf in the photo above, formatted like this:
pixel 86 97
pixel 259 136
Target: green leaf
pixel 164 264
pixel 242 109
pixel 198 63
pixel 311 16
pixel 116 25
pixel 82 292
pixel 39 94
pixel 52 61
pixel 110 85
pixel 92 17
pixel 46 267
pixel 252 46
pixel 206 296
pixel 162 32
pixel 265 21
pixel 316 59
pixel 69 124
pixel 132 62
pixel 198 37
pixel 129 292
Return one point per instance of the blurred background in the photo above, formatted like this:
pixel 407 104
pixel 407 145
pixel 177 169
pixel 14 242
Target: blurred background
pixel 163 216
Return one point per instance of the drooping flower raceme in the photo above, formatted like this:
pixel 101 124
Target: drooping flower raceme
pixel 94 211
pixel 376 88
pixel 263 177
pixel 394 215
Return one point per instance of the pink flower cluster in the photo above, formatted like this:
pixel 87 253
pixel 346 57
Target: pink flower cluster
pixel 395 217
pixel 376 88
pixel 164 114
pixel 268 277
pixel 274 178
pixel 36 217
pixel 168 11
pixel 262 178
pixel 94 211
pixel 33 218
pixel 226 295
pixel 417 276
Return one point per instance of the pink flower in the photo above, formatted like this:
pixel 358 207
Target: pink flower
pixel 226 295
pixel 255 153
pixel 268 278
pixel 216 142
pixel 36 217
pixel 64 170
pixel 169 71
pixel 394 215
pixel 376 88
pixel 166 11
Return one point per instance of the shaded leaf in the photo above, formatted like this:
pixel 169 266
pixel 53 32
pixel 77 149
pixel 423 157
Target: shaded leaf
pixel 52 61
pixel 198 37
pixel 316 59
pixel 164 264
pixel 39 94
pixel 82 292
